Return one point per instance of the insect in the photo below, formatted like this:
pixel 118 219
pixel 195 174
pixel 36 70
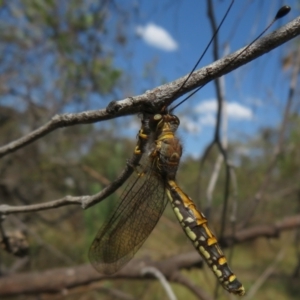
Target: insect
pixel 144 200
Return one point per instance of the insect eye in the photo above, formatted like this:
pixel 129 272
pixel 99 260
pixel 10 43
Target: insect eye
pixel 176 120
pixel 157 117
pixel 154 120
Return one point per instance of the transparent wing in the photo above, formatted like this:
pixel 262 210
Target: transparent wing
pixel 142 203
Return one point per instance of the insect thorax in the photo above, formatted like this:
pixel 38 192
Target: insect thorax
pixel 166 150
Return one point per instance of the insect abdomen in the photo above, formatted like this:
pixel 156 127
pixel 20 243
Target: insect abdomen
pixel 195 226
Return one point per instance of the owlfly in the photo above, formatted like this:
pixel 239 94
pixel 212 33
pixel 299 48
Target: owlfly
pixel 144 201
pixel 145 197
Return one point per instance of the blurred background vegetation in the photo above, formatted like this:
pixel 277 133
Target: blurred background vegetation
pixel 54 59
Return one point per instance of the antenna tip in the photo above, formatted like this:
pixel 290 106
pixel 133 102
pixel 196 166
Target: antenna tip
pixel 284 10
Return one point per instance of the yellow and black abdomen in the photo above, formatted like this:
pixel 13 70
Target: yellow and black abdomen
pixel 195 226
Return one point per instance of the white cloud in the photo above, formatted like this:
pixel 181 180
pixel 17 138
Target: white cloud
pixel 190 125
pixel 195 125
pixel 205 115
pixel 207 107
pixel 208 119
pixel 239 112
pixel 235 111
pixel 157 36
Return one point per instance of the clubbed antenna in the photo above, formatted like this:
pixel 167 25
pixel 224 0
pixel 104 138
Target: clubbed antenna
pixel 283 11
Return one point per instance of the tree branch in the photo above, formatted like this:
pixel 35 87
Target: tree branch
pixel 269 231
pixel 57 280
pixel 163 95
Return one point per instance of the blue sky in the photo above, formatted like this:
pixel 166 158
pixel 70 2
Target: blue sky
pixel 168 37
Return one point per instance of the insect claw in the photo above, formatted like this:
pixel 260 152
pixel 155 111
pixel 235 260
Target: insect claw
pixel 142 135
pixel 137 150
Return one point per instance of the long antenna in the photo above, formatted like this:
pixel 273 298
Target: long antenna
pixel 208 45
pixel 284 10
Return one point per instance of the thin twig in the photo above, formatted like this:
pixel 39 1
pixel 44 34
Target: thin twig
pixel 220 111
pixel 162 279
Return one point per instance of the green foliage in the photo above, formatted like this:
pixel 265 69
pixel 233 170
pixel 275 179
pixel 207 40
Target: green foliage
pixel 56 49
